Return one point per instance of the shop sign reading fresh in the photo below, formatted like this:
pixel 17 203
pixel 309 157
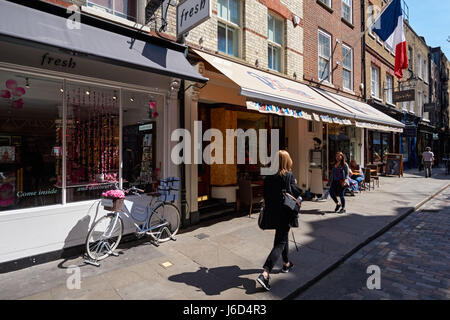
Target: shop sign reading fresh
pixel 191 13
pixel 48 60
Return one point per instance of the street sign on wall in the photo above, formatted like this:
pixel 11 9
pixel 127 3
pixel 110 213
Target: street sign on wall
pixel 402 96
pixel 191 13
pixel 410 131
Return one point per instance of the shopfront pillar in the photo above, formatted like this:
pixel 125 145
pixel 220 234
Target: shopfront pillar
pixel 171 123
pixel 191 97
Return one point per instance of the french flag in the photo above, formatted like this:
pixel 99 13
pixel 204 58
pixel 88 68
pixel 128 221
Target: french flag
pixel 389 27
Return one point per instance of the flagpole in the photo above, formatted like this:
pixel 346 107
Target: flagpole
pixel 360 36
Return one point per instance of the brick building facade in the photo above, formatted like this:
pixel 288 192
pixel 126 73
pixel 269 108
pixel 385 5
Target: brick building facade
pixel 328 20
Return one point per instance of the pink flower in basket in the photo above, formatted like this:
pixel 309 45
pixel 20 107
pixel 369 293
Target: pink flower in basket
pixel 114 194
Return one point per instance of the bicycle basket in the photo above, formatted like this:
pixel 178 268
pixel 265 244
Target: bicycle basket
pixel 167 194
pixel 137 207
pixel 112 204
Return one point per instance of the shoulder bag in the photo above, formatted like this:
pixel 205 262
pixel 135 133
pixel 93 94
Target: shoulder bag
pixel 291 204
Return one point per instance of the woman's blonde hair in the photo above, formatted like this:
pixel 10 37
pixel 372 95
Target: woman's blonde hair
pixel 285 162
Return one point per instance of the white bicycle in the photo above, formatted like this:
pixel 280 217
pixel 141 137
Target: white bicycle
pixel 153 214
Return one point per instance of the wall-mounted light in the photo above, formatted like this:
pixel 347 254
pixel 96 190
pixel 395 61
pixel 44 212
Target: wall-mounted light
pixel 61 90
pixel 295 20
pixel 132 99
pixel 114 96
pixel 27 83
pixel 88 92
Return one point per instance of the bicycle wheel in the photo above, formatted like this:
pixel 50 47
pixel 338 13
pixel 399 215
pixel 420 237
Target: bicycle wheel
pixel 165 212
pixel 104 237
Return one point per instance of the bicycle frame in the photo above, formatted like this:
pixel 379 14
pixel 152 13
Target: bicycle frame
pixel 143 228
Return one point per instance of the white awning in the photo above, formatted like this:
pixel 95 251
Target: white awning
pixel 366 116
pixel 267 88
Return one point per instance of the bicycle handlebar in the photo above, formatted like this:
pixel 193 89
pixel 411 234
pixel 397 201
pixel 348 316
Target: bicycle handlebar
pixel 134 189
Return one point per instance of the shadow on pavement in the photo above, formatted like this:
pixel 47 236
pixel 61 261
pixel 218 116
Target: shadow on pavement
pixel 213 281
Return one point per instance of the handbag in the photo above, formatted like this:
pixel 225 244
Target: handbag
pixel 292 205
pixel 263 219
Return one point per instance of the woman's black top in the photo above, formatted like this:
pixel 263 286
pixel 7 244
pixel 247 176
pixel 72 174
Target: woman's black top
pixel 273 198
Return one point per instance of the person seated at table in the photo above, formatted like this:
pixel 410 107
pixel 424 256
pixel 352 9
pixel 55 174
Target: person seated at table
pixel 356 172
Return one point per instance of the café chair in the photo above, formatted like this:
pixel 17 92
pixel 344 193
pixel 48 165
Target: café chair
pixel 375 176
pixel 368 179
pixel 246 197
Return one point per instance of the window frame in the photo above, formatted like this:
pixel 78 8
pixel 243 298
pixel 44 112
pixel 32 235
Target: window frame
pixel 112 11
pixel 419 66
pixel 328 3
pixel 346 47
pixel 410 58
pixel 389 90
pixel 273 44
pixel 330 58
pixel 425 70
pixel 420 104
pixel 372 68
pixel 230 25
pixel 350 6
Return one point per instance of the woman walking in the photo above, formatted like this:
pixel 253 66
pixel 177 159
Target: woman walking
pixel 339 178
pixel 280 219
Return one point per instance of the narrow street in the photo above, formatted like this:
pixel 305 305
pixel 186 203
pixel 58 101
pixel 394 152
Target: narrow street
pixel 228 255
pixel 413 258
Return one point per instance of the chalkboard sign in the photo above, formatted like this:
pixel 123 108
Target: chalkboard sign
pixel 394 164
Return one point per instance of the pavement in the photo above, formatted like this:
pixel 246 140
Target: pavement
pixel 221 260
pixel 413 260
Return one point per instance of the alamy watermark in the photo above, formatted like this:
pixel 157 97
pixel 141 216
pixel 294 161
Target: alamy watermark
pixel 374 281
pixel 222 151
pixel 74 21
pixel 74 280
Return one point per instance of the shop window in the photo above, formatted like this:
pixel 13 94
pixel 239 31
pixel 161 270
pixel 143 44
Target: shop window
pixel 405 146
pixel 126 9
pixel 324 56
pixel 347 66
pixel 386 144
pixel 311 127
pixel 140 118
pixel 30 141
pixel 92 141
pixel 228 26
pixel 376 147
pixel 275 38
pixel 34 111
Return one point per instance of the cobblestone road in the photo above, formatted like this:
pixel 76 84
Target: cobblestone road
pixel 413 257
